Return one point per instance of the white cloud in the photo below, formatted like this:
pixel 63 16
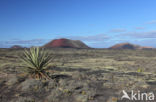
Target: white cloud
pixel 89 38
pixel 149 34
pixel 151 22
pixel 24 43
pixel 118 30
pixel 140 28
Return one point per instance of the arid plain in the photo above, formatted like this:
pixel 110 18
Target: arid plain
pixel 79 75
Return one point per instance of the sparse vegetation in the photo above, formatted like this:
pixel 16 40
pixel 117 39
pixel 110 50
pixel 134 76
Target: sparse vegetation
pixel 36 61
pixel 88 75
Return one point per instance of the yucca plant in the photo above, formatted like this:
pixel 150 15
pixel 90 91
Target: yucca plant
pixel 36 61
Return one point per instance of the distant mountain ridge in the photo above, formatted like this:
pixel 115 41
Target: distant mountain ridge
pixel 68 43
pixel 65 43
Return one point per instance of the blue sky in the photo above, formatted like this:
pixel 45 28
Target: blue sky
pixel 98 23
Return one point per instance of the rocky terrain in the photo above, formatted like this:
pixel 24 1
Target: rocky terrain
pixel 79 75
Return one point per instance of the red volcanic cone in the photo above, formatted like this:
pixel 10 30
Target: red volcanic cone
pixel 128 46
pixel 65 43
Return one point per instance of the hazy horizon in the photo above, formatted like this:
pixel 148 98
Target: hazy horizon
pixel 98 23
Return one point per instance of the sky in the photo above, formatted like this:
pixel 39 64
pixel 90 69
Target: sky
pixel 98 23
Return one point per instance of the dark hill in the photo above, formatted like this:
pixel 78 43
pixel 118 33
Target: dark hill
pixel 16 47
pixel 128 46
